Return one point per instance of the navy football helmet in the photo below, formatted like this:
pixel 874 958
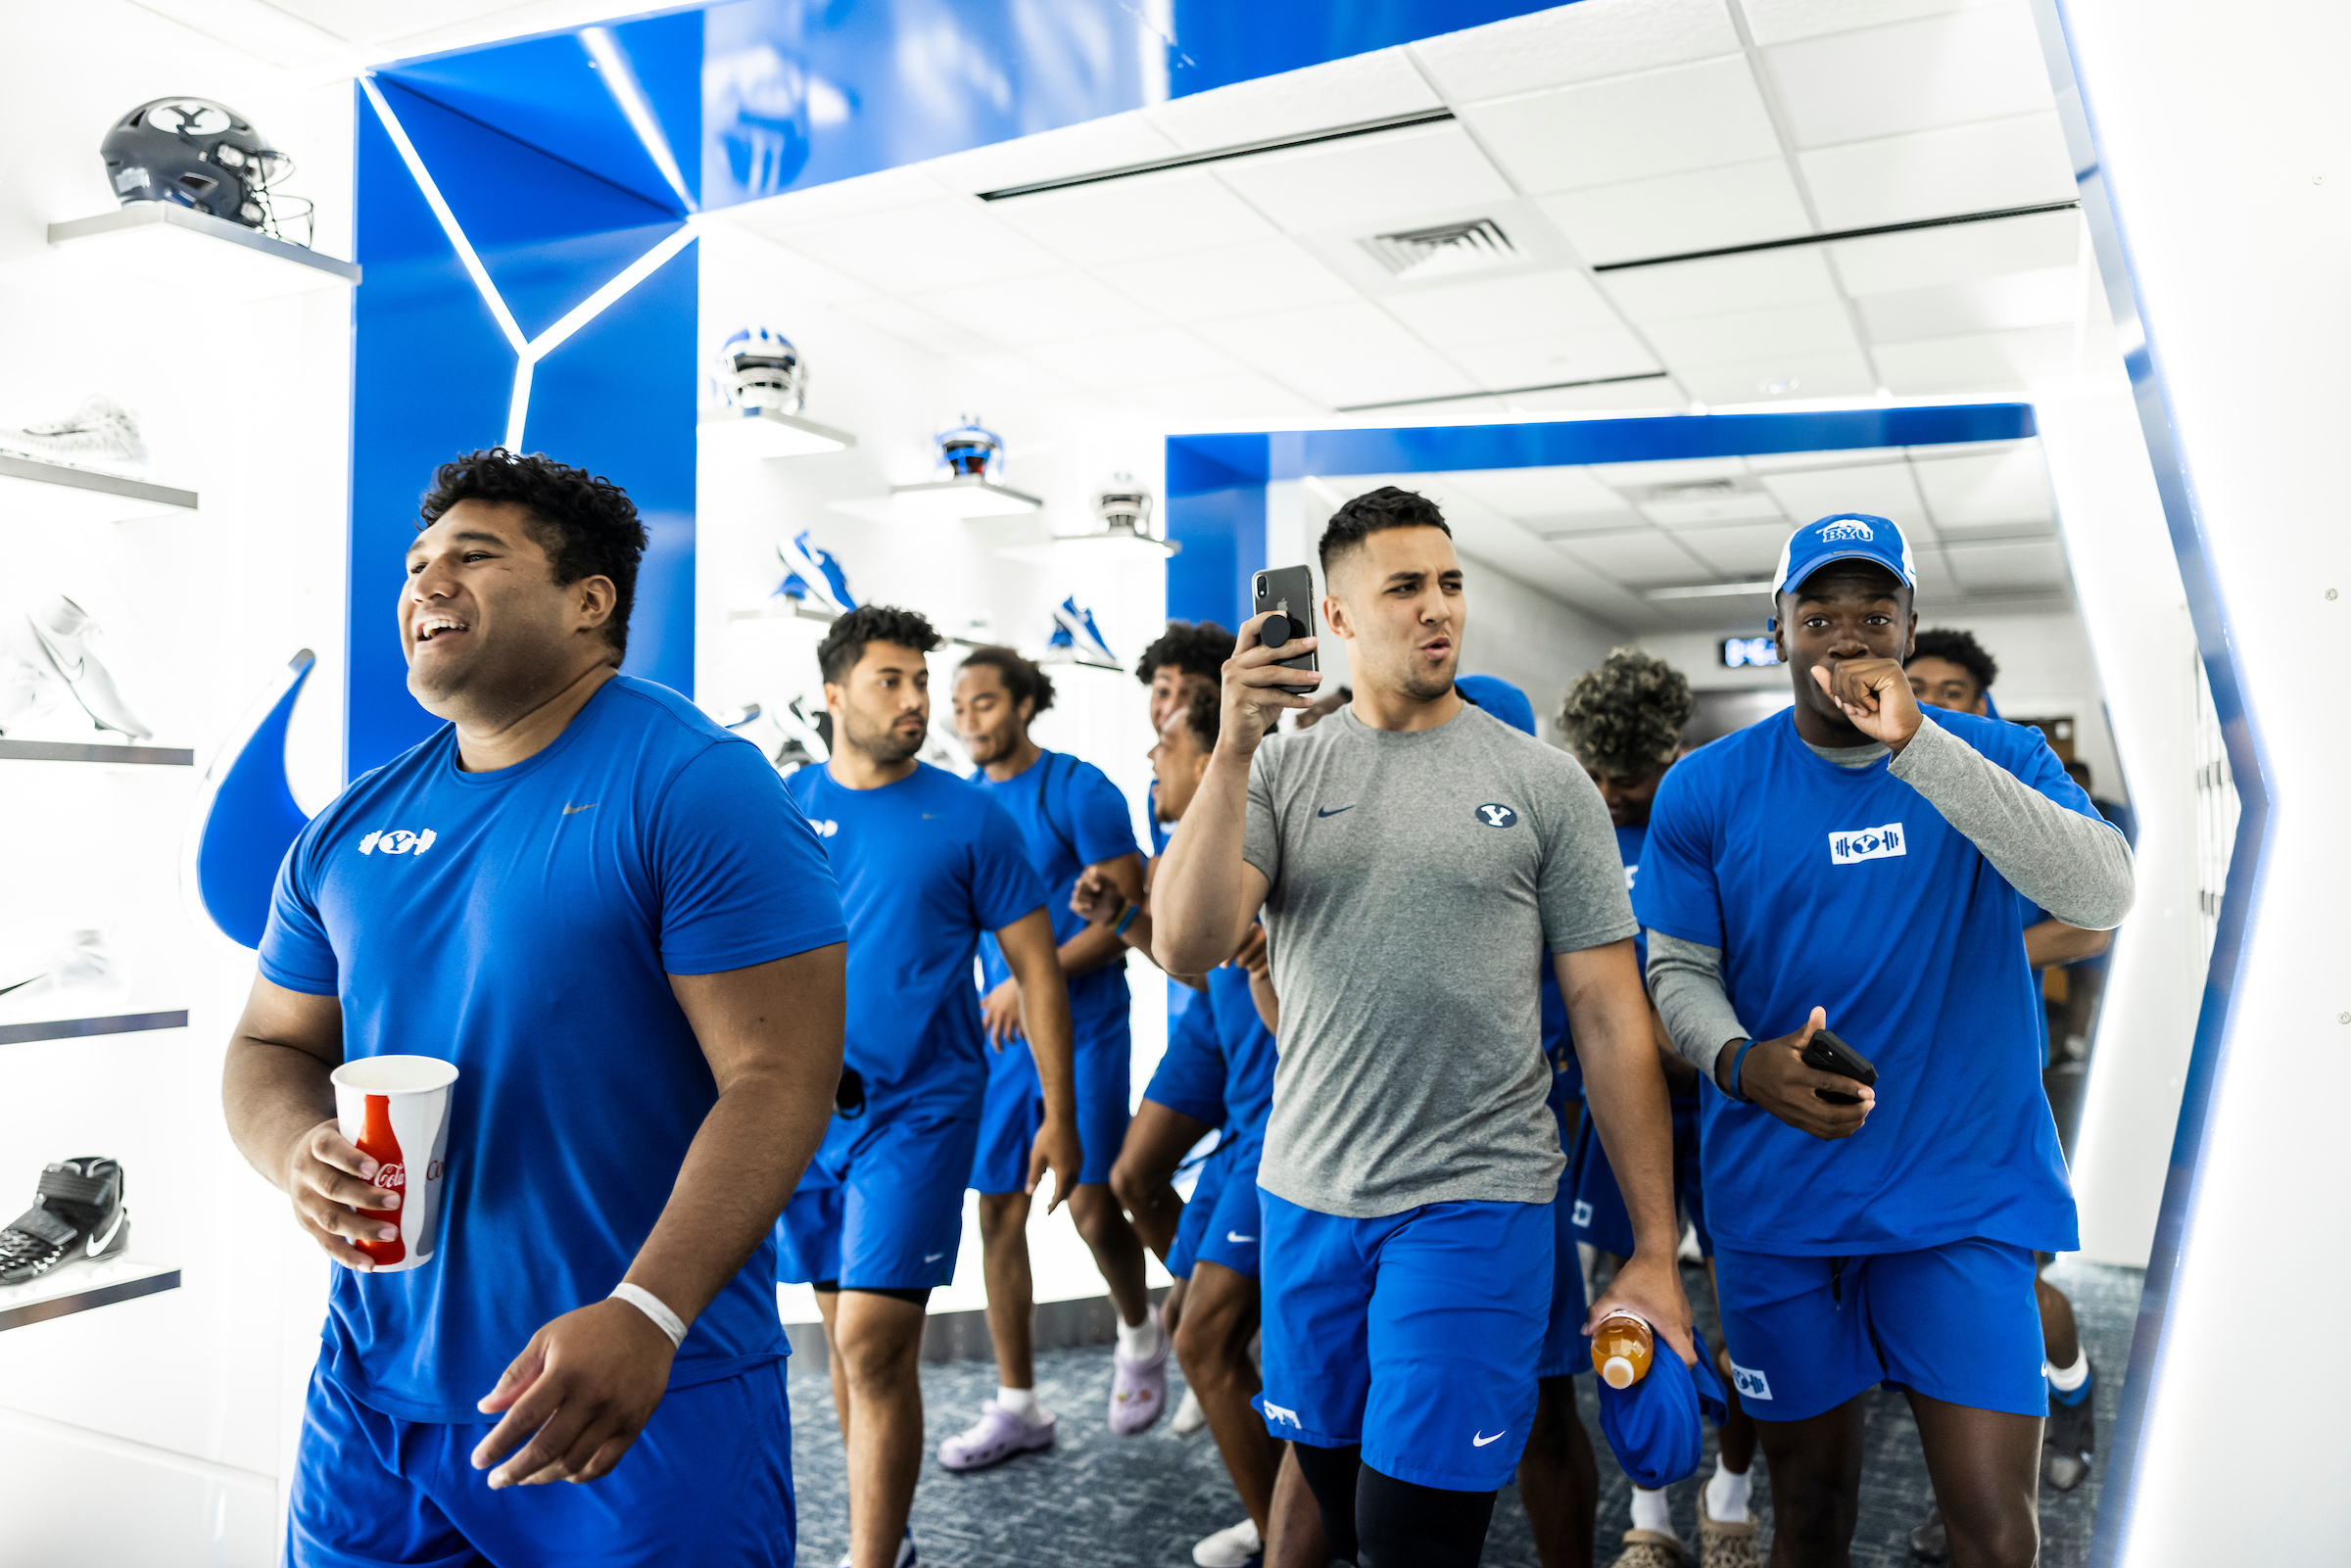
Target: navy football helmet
pixel 197 153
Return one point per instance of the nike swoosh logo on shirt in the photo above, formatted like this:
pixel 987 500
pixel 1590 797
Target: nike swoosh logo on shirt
pixel 933 1258
pixel 1335 810
pixel 1234 1235
pixel 591 806
pixel 1477 1441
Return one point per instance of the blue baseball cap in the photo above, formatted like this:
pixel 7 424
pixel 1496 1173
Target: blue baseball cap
pixel 1846 537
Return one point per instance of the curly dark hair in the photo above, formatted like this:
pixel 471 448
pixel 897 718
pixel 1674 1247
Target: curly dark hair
pixel 1373 512
pixel 1194 647
pixel 1021 677
pixel 1960 648
pixel 845 639
pixel 586 523
pixel 1204 715
pixel 1626 717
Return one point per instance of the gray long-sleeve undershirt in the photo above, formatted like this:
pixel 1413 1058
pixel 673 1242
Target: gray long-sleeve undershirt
pixel 2075 867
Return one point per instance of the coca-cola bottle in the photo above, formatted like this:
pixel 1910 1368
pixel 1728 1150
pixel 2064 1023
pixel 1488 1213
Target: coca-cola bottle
pixel 378 1144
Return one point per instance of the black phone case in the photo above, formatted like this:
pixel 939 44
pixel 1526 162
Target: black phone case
pixel 1826 1052
pixel 1294 587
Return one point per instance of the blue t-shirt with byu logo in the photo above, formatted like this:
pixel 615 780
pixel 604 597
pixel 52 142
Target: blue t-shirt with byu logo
pixel 523 923
pixel 1843 888
pixel 1071 817
pixel 926 866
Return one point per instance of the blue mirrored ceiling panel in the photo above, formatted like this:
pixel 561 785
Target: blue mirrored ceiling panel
pixel 618 398
pixel 548 233
pixel 431 376
pixel 1218 42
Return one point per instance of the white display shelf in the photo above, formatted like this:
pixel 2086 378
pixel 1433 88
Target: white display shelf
pixel 35 1029
pixel 780 609
pixel 941 501
pixel 82 1287
pixel 31 490
pixel 80 751
pixel 764 433
pixel 181 248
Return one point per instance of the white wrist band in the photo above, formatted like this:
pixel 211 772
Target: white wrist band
pixel 652 1306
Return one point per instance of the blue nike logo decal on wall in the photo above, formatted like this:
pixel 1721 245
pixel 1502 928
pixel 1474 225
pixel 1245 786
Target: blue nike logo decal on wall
pixel 1335 810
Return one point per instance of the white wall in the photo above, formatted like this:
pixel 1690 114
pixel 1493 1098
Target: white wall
pixel 157 1430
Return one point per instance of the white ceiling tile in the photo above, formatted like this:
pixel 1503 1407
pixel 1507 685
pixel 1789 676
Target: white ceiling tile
pixel 1818 327
pixel 1742 549
pixel 1386 378
pixel 1725 283
pixel 1781 461
pixel 1548 360
pixel 1132 358
pixel 1367 181
pixel 1957 253
pixel 1017 371
pixel 1443 409
pixel 908 185
pixel 2050 297
pixel 1738 205
pixel 1580 42
pixel 1779 20
pixel 1937 174
pixel 1986 490
pixel 1702 510
pixel 1940 71
pixel 1549 303
pixel 1552 493
pixel 1630 127
pixel 1128 219
pixel 1982 361
pixel 1326 333
pixel 933 245
pixel 789 276
pixel 1114 141
pixel 1341 92
pixel 1882 490
pixel 1052 307
pixel 918 327
pixel 1231 281
pixel 2039 564
pixel 1790 375
pixel 1222 400
pixel 1629 477
pixel 1649 558
pixel 1648 393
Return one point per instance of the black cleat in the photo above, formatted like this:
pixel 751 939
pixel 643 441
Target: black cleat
pixel 2070 1438
pixel 76 1215
pixel 1930 1542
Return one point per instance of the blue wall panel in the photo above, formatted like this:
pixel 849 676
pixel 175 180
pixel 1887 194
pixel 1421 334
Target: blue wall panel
pixel 1218 42
pixel 1217 511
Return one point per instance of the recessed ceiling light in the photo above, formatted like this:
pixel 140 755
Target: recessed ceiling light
pixel 1778 386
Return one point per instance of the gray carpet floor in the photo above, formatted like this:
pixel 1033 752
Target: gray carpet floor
pixel 1097 1499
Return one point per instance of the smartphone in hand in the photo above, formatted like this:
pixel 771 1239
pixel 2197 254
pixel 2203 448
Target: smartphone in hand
pixel 1825 1053
pixel 1289 590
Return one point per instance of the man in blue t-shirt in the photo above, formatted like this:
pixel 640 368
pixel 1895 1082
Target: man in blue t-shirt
pixel 603 908
pixel 1072 820
pixel 1855 864
pixel 927 865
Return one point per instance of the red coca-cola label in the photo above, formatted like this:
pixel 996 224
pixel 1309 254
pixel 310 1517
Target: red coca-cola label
pixel 377 1143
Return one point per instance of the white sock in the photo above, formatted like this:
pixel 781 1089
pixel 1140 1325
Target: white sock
pixel 1726 1495
pixel 1019 1402
pixel 2066 1379
pixel 1650 1511
pixel 1139 1341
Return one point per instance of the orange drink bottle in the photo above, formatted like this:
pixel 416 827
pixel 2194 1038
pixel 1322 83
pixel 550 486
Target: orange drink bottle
pixel 1622 1347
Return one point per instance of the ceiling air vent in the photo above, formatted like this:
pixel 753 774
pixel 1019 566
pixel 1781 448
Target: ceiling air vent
pixel 1473 246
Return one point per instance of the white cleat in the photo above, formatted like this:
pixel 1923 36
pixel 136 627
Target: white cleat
pixel 100 431
pixel 1233 1547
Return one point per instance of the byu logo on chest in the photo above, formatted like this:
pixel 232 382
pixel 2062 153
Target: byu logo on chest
pixel 1868 843
pixel 397 841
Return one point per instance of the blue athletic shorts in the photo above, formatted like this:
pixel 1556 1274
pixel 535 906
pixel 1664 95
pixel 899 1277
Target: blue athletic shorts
pixel 1190 1075
pixel 1414 1334
pixel 1222 1222
pixel 1596 1211
pixel 1958 1323
pixel 1566 1350
pixel 881 1207
pixel 1016 1109
pixel 708 1481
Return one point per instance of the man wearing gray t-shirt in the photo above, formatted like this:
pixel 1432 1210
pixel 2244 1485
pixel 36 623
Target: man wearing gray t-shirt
pixel 1411 855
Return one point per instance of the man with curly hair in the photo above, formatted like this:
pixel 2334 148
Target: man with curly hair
pixel 1187 657
pixel 604 910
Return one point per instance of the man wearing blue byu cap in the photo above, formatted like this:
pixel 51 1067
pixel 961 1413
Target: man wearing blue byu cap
pixel 1072 820
pixel 927 867
pixel 1853 864
pixel 1414 857
pixel 605 912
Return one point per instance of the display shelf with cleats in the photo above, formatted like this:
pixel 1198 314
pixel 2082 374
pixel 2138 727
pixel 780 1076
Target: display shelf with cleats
pixel 181 248
pixel 30 489
pixel 79 751
pixel 88 1027
pixel 80 1287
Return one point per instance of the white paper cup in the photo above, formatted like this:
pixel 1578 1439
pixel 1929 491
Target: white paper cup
pixel 396 1110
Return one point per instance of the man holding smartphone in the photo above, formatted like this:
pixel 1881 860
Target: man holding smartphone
pixel 1413 857
pixel 1857 863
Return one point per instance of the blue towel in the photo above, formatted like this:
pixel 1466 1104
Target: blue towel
pixel 1654 1427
